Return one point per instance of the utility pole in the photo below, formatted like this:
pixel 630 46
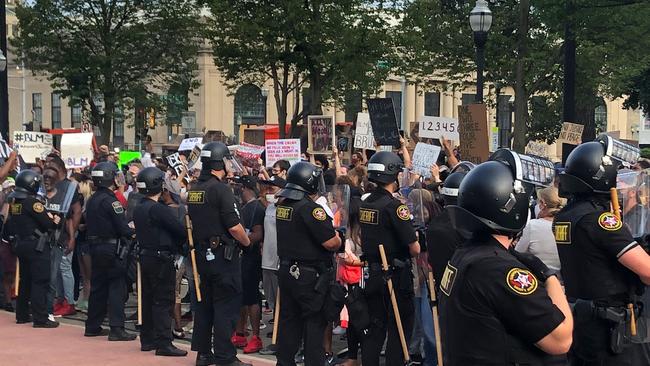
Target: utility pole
pixel 4 87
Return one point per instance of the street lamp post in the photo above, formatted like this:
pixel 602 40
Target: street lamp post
pixel 480 19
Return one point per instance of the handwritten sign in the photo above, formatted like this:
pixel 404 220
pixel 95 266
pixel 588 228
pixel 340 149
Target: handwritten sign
pixel 176 163
pixel 320 130
pixel 77 149
pixel 473 133
pixel 571 133
pixel 424 156
pixel 383 120
pixel 494 139
pixel 194 160
pixel 363 136
pixel 282 149
pixel 537 148
pixel 32 145
pixel 5 150
pixel 189 143
pixel 437 127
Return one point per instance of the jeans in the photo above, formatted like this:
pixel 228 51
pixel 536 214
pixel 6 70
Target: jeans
pixel 56 255
pixel 429 338
pixel 65 281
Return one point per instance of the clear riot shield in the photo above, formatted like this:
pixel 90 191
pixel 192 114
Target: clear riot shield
pixel 633 192
pixel 338 201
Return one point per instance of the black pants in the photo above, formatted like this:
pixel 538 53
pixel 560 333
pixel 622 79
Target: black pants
pixel 383 319
pixel 300 315
pixel 107 290
pixel 34 281
pixel 158 282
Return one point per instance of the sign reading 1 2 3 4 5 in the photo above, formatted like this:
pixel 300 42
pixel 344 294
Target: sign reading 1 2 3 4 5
pixel 436 127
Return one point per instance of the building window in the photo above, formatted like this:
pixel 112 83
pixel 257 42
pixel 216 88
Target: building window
pixel 250 106
pixel 353 104
pixel 432 104
pixel 37 110
pixel 75 113
pixel 396 96
pixel 468 99
pixel 600 117
pixel 56 110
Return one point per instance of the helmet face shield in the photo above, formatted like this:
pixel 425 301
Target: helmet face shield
pixel 232 166
pixel 624 153
pixel 120 180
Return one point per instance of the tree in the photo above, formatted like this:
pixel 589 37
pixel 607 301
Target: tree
pixel 331 46
pixel 110 50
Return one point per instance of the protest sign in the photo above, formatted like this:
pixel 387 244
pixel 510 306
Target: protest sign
pixel 32 145
pixel 494 139
pixel 127 156
pixel 571 133
pixel 282 149
pixel 343 143
pixel 249 154
pixel 176 163
pixel 77 149
pixel 436 127
pixel 147 161
pixel 537 148
pixel 424 156
pixel 384 122
pixel 189 143
pixel 363 137
pixel 320 130
pixel 5 150
pixel 194 160
pixel 473 133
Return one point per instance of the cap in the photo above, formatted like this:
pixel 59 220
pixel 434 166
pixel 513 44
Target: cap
pixel 247 181
pixel 274 181
pixel 9 182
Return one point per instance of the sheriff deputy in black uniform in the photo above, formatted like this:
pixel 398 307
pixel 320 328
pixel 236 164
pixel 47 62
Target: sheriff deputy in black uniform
pixel 601 262
pixel 28 223
pixel 217 233
pixel 306 242
pixel 107 233
pixel 498 306
pixel 160 235
pixel 386 221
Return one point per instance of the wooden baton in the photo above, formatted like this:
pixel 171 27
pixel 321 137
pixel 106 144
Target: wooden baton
pixel 195 273
pixel 393 300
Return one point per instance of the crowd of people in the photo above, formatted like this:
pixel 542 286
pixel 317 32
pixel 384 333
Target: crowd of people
pixel 317 241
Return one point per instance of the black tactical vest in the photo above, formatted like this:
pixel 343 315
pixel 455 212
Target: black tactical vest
pixel 376 230
pixel 294 240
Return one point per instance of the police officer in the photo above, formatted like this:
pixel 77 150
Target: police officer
pixel 160 235
pixel 601 262
pixel 107 233
pixel 306 241
pixel 386 221
pixel 29 225
pixel 499 307
pixel 217 233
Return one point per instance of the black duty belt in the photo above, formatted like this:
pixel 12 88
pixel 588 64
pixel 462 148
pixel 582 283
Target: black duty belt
pixel 318 265
pixel 156 253
pixel 99 240
pixel 27 238
pixel 396 264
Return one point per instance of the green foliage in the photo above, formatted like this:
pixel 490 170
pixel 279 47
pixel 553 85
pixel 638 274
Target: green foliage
pixel 110 49
pixel 645 153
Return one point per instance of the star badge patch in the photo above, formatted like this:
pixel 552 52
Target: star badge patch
pixel 319 214
pixel 38 207
pixel 608 221
pixel 403 212
pixel 521 281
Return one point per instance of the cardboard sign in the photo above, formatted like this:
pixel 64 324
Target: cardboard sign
pixel 126 157
pixel 363 136
pixel 473 133
pixel 320 130
pixel 189 143
pixel 32 145
pixel 537 148
pixel 383 120
pixel 282 149
pixel 194 160
pixel 436 127
pixel 424 156
pixel 176 163
pixel 571 133
pixel 77 149
pixel 343 143
pixel 494 139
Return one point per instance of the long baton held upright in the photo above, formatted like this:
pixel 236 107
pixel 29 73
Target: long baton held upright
pixel 190 239
pixel 139 273
pixel 393 300
pixel 436 320
pixel 17 278
pixel 276 317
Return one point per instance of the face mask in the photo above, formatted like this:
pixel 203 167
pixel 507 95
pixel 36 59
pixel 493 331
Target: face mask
pixel 537 209
pixel 270 198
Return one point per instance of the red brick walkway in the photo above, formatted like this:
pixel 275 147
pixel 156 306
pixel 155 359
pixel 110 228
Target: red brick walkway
pixel 22 345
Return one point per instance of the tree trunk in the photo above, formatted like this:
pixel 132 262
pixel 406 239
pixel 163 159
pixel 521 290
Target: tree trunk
pixel 521 92
pixel 316 93
pixel 107 124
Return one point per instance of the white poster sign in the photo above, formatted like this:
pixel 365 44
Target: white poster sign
pixel 32 145
pixel 436 127
pixel 363 137
pixel 189 143
pixel 424 156
pixel 77 149
pixel 287 149
pixel 176 163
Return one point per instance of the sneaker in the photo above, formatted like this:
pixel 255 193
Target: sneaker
pixel 82 305
pixel 338 330
pixel 269 350
pixel 57 305
pixel 47 324
pixel 65 310
pixel 238 341
pixel 8 307
pixel 178 334
pixel 50 317
pixel 250 329
pixel 254 345
pixel 299 357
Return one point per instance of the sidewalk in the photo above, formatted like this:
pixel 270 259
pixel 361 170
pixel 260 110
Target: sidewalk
pixel 22 345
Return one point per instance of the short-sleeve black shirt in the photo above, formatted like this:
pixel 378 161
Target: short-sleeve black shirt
pixel 212 208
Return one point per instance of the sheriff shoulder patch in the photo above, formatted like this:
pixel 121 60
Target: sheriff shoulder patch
pixel 521 281
pixel 447 281
pixel 369 216
pixel 403 212
pixel 283 213
pixel 117 207
pixel 319 214
pixel 608 221
pixel 562 231
pixel 16 208
pixel 38 207
pixel 196 197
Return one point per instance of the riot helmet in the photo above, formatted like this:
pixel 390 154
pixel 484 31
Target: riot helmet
pixel 213 156
pixel 302 178
pixel 104 174
pixel 384 167
pixel 28 182
pixel 450 187
pixel 150 181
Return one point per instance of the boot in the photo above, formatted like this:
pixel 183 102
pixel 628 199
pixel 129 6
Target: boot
pixel 48 324
pixel 24 321
pixel 101 332
pixel 236 362
pixel 171 350
pixel 119 334
pixel 205 359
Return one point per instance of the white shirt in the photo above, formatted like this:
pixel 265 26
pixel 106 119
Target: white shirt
pixel 538 239
pixel 270 259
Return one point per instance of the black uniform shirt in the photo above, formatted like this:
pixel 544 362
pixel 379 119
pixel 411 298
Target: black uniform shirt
pixel 105 216
pixel 303 226
pixel 493 309
pixel 442 241
pixel 385 220
pixel 27 215
pixel 212 208
pixel 157 226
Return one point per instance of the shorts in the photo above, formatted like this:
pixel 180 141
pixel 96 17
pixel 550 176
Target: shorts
pixel 179 277
pixel 251 270
pixel 7 257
